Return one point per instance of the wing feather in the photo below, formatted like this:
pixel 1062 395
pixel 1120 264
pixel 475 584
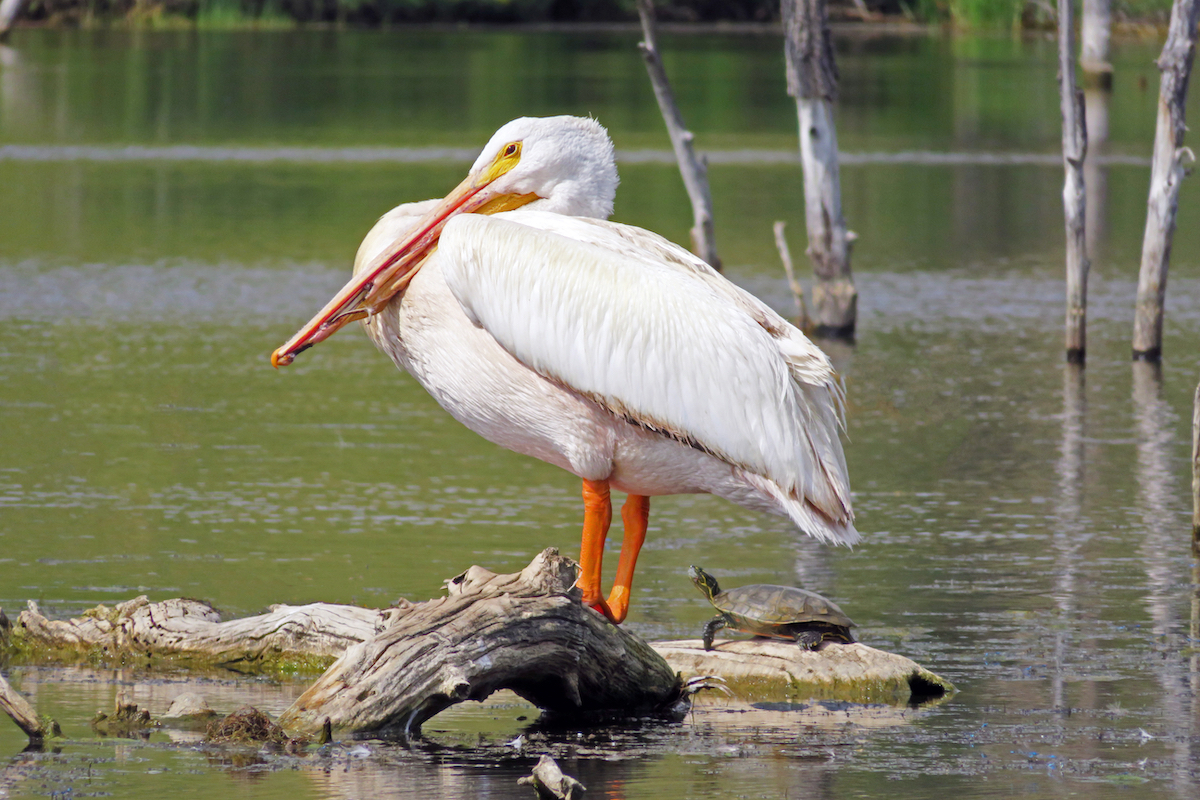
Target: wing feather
pixel 652 333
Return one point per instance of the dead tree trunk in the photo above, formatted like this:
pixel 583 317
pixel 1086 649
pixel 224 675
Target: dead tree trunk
pixel 1074 137
pixel 1196 473
pixel 9 9
pixel 38 729
pixel 812 80
pixel 1095 33
pixel 527 632
pixel 1166 173
pixel 693 168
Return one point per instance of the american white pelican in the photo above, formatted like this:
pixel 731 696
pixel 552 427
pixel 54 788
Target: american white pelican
pixel 601 348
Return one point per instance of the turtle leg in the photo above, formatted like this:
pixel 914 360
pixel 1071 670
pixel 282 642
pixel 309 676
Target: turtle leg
pixel 636 516
pixel 597 516
pixel 810 639
pixel 710 630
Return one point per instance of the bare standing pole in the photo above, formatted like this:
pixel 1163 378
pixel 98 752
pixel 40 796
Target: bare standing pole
pixel 1074 135
pixel 693 169
pixel 812 80
pixel 1166 173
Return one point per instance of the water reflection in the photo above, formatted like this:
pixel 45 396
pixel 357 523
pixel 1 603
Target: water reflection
pixel 1162 530
pixel 1071 530
pixel 1095 172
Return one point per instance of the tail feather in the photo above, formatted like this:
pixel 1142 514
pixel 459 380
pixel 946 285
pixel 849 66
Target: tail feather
pixel 808 517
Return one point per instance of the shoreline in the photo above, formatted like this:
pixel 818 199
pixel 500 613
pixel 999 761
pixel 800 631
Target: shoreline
pixel 884 26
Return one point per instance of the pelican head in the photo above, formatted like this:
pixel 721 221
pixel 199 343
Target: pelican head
pixel 563 165
pixel 566 162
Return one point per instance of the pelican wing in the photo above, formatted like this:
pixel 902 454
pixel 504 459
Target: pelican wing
pixel 619 316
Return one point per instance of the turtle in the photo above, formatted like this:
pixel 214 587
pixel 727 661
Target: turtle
pixel 778 612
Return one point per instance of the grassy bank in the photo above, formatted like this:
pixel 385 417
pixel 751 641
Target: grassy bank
pixel 967 14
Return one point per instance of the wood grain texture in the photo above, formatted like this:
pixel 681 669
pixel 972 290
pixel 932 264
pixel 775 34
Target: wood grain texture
pixel 526 632
pixel 1075 141
pixel 1167 170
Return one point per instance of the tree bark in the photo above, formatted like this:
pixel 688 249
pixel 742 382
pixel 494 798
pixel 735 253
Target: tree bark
pixel 1166 173
pixel 1095 33
pixel 693 169
pixel 1074 138
pixel 812 80
pixel 527 632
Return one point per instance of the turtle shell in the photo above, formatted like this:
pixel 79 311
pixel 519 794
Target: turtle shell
pixel 769 610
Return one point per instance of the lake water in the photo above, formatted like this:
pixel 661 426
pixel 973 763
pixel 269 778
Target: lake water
pixel 174 205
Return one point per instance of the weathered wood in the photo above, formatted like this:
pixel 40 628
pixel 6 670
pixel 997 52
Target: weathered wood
pixel 38 729
pixel 693 168
pixel 1196 473
pixel 812 81
pixel 192 628
pixel 1074 138
pixel 762 669
pixel 1167 171
pixel 9 9
pixel 527 632
pixel 1095 33
pixel 785 255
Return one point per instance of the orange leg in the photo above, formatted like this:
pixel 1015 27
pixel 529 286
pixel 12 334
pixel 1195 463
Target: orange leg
pixel 636 516
pixel 597 516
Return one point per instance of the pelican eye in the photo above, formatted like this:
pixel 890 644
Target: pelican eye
pixel 504 161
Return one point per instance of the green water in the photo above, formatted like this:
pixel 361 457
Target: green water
pixel 1025 537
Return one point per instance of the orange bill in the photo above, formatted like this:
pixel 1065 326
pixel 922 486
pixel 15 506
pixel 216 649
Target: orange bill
pixel 368 292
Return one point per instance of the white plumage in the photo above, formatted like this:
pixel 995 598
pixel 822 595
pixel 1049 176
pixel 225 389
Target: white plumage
pixel 598 347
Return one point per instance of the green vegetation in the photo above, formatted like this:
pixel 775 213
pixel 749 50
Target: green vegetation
pixel 970 14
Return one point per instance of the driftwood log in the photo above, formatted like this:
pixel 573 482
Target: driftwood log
pixel 526 632
pixel 1167 170
pixel 193 629
pixel 38 729
pixel 1074 139
pixel 812 80
pixel 768 669
pixel 692 167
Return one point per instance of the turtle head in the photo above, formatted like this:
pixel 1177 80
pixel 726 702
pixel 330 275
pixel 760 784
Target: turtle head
pixel 706 583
